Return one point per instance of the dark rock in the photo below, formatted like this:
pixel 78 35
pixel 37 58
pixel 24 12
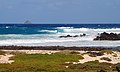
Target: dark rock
pixel 65 36
pixel 76 36
pixel 61 36
pixel 52 48
pixel 107 36
pixel 82 35
pixel 68 36
pixel 94 54
pixel 117 69
pixel 101 71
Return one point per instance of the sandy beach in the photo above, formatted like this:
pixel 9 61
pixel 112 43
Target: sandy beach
pixel 66 57
pixel 114 56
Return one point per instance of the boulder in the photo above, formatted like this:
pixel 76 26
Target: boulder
pixel 107 36
pixel 76 36
pixel 82 35
pixel 65 36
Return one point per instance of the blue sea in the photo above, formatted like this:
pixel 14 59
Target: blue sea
pixel 48 34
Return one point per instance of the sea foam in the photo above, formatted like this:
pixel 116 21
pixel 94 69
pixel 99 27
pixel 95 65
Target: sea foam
pixel 49 36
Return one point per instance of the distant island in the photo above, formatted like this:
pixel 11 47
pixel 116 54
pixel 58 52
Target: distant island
pixel 27 22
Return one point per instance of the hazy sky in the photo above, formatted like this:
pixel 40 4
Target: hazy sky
pixel 60 11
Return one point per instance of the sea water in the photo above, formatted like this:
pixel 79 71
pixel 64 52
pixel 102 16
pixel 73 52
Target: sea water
pixel 48 34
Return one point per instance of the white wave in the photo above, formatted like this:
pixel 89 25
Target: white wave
pixel 33 36
pixel 6 27
pixel 29 41
pixel 112 29
pixel 76 30
pixel 53 39
pixel 51 31
pixel 89 30
pixel 64 27
pixel 60 42
pixel 90 33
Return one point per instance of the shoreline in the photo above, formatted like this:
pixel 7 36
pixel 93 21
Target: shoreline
pixel 56 48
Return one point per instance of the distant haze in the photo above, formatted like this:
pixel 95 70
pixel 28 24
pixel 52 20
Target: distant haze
pixel 60 11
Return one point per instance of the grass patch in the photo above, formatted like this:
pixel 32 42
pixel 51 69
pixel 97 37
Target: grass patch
pixel 68 52
pixel 74 52
pixel 115 55
pixel 2 53
pixel 55 63
pixel 40 63
pixel 94 54
pixel 106 58
pixel 95 66
pixel 107 51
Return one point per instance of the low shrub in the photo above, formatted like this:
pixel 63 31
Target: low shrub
pixel 105 58
pixel 2 52
pixel 74 52
pixel 94 54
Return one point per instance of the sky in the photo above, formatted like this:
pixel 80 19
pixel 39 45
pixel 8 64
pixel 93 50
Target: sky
pixel 60 11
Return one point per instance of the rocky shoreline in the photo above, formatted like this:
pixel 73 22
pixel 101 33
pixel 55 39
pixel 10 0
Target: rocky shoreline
pixel 108 36
pixel 53 48
pixel 67 36
pixel 102 36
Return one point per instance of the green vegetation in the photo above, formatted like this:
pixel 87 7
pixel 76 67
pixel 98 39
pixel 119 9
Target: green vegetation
pixel 2 52
pixel 94 54
pixel 106 58
pixel 115 55
pixel 95 66
pixel 74 52
pixel 107 51
pixel 55 63
pixel 69 52
pixel 40 63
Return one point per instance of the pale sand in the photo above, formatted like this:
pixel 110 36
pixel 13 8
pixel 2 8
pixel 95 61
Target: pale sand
pixel 33 51
pixel 115 60
pixel 5 59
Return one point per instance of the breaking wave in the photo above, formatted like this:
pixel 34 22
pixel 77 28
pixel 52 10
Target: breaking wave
pixel 49 31
pixel 47 35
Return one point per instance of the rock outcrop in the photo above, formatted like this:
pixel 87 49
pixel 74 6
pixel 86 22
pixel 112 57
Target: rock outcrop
pixel 67 36
pixel 108 36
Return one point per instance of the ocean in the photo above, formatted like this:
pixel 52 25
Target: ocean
pixel 48 34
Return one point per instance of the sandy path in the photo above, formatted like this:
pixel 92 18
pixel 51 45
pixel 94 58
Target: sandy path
pixel 33 51
pixel 5 59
